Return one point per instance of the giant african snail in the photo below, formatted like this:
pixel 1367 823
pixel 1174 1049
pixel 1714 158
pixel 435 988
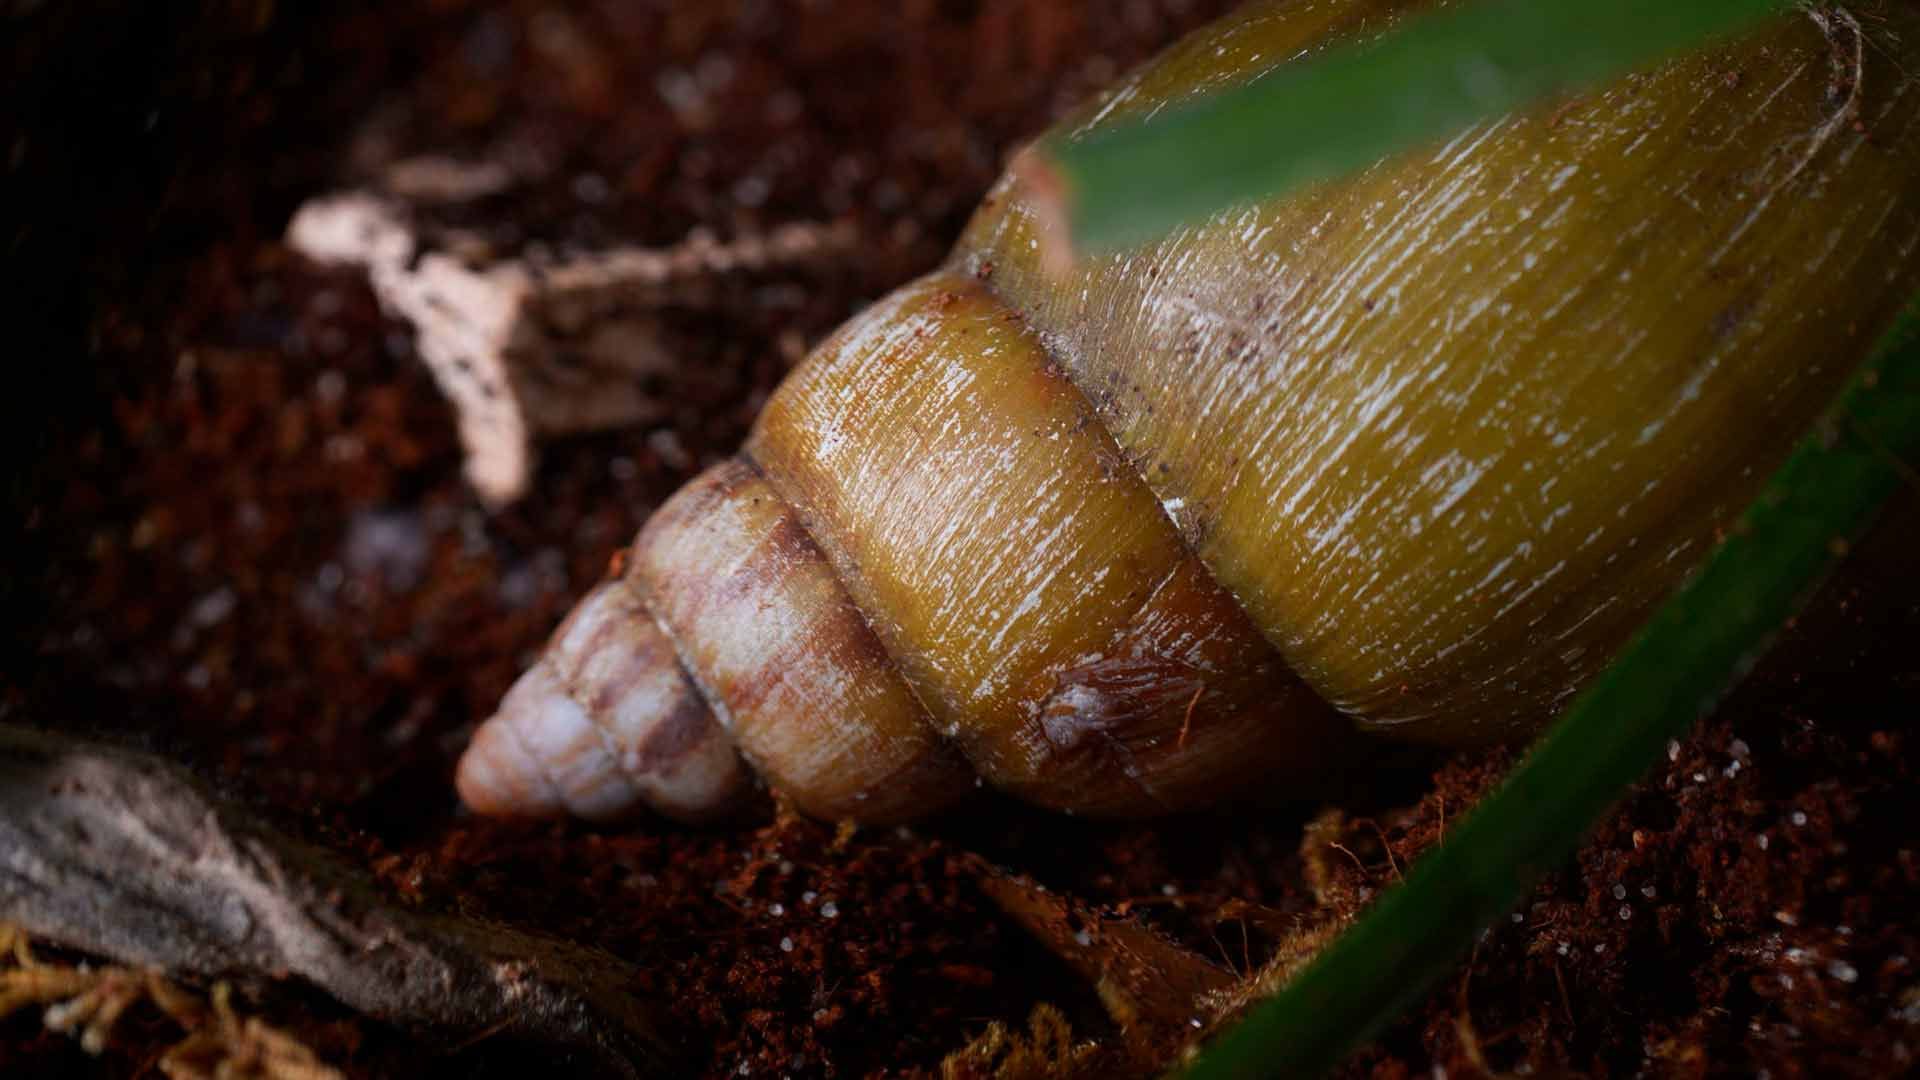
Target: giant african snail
pixel 1418 450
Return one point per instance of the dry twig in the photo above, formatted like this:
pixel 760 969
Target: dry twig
pixel 123 855
pixel 530 346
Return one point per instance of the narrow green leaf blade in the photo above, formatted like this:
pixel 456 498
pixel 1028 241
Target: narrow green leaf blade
pixel 1696 646
pixel 1357 104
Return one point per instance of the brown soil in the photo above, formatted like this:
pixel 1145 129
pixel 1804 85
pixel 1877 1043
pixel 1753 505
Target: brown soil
pixel 245 542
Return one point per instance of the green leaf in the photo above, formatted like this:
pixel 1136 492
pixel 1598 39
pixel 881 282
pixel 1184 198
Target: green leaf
pixel 1695 647
pixel 1320 118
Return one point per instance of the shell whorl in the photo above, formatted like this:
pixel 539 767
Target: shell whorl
pixel 1438 436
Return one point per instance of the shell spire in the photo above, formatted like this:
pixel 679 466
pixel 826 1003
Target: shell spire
pixel 604 721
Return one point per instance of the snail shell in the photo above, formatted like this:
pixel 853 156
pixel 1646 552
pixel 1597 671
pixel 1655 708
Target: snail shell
pixel 1414 452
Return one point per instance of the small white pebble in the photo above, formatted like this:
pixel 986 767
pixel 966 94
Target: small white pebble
pixel 591 188
pixel 213 608
pixel 1193 1021
pixel 776 909
pixel 1673 750
pixel 1562 949
pixel 786 944
pixel 1762 841
pixel 1699 778
pixel 1799 817
pixel 1843 930
pixel 1626 912
pixel 1600 948
pixel 1739 748
pixel 786 866
pixel 330 577
pixel 1518 919
pixel 830 910
pixel 751 190
pixel 1169 890
pixel 331 386
pixel 1619 892
pixel 1082 939
pixel 1647 891
pixel 809 896
pixel 1843 971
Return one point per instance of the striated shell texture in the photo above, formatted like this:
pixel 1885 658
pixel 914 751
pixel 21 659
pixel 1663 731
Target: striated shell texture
pixel 1411 453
